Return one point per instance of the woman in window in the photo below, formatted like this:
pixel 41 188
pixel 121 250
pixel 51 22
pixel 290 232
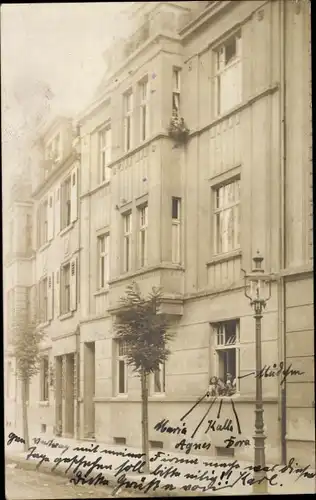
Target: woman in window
pixel 212 388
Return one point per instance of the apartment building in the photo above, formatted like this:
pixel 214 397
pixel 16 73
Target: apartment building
pixel 185 205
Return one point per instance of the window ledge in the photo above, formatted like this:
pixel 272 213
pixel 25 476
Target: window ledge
pixel 102 291
pixel 66 229
pixel 43 403
pixel 223 257
pixel 43 247
pixel 67 315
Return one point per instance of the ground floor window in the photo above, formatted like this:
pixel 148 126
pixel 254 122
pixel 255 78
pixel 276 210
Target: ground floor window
pixel 226 368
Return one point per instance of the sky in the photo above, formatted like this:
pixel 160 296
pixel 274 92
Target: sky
pixel 57 47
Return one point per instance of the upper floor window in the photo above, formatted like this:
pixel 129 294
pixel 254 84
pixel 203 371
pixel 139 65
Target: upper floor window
pixel 42 222
pixel 127 244
pixel 227 217
pixel 65 289
pixel 158 385
pixel 53 150
pixel 128 120
pixel 144 114
pixel 104 267
pixel 105 144
pixel 143 225
pixel 43 300
pixel 176 72
pixel 228 71
pixel 66 203
pixel 176 231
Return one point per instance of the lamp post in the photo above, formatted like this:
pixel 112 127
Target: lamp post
pixel 258 291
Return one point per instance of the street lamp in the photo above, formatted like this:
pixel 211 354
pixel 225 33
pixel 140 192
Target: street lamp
pixel 258 291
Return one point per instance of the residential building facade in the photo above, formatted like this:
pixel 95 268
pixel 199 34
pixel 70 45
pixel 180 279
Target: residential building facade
pixel 188 213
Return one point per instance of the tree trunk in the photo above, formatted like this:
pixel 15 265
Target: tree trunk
pixel 24 416
pixel 145 443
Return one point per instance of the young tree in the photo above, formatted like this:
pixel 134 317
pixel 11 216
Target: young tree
pixel 145 332
pixel 26 350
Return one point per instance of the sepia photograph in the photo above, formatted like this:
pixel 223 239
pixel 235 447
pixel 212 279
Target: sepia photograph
pixel 157 208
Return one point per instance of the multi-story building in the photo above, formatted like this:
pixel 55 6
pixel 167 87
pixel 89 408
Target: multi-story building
pixel 187 213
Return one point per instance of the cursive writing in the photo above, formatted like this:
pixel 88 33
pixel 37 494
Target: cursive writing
pixel 230 442
pixel 51 444
pixel 162 427
pixel 227 426
pixel 188 445
pixel 267 371
pixel 13 438
pixel 42 457
pixel 92 481
pixel 81 462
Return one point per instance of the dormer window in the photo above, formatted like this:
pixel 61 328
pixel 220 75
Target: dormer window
pixel 53 149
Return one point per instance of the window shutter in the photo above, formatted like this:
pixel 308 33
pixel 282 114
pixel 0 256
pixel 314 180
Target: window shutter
pixel 73 285
pixel 74 195
pixel 57 293
pixel 50 287
pixel 50 216
pixel 57 210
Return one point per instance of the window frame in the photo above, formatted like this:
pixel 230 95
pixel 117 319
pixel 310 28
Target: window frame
pixel 105 150
pixel 127 242
pixel 142 211
pixel 121 361
pixel 103 260
pixel 176 227
pixel 176 90
pixel 65 203
pixel 43 299
pixel 235 206
pixel 144 109
pixel 221 348
pixel 65 292
pixel 128 119
pixel 44 378
pixel 220 67
pixel 162 370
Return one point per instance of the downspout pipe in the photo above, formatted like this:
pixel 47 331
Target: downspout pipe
pixel 281 287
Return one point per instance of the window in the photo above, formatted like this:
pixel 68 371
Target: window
pixel 227 342
pixel 128 111
pixel 159 380
pixel 127 224
pixel 144 123
pixel 143 223
pixel 176 231
pixel 66 203
pixel 42 219
pixel 43 300
pixel 44 378
pixel 228 73
pixel 65 289
pixel 176 91
pixel 103 244
pixel 52 151
pixel 121 368
pixel 227 217
pixel 105 145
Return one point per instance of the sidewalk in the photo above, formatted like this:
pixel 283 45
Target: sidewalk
pixel 171 474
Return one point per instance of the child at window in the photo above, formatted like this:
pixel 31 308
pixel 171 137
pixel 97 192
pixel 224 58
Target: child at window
pixel 212 388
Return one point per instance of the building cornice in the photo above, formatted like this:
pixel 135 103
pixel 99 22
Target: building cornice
pixel 205 16
pixel 46 185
